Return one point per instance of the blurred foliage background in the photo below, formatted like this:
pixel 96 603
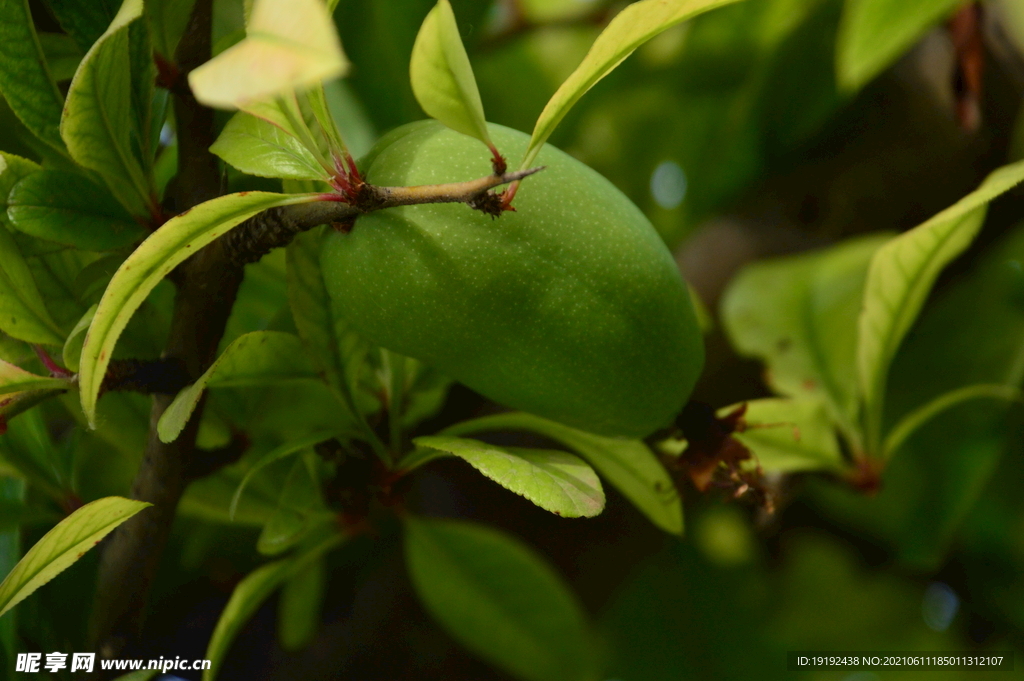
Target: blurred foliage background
pixel 735 136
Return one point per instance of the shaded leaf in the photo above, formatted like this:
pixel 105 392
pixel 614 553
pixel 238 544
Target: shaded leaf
pixel 631 28
pixel 628 464
pixel 499 599
pixel 84 20
pixel 278 453
pixel 23 314
pixel 789 435
pixel 289 44
pixel 555 481
pixel 70 209
pixel 72 351
pixel 62 55
pixel 250 594
pixel 798 314
pixel 167 20
pixel 25 79
pixel 63 545
pixel 442 77
pixel 98 117
pixel 153 260
pixel 875 33
pixel 900 278
pixel 298 613
pixel 257 147
pixel 256 358
pixel 299 508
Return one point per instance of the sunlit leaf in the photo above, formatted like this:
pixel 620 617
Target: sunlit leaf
pixel 289 44
pixel 250 594
pixel 900 278
pixel 499 599
pixel 70 209
pixel 257 358
pixel 153 260
pixel 442 77
pixel 63 545
pixel 98 117
pixel 25 80
pixel 14 379
pixel 627 464
pixel 258 147
pixel 72 351
pixel 555 481
pixel 874 33
pixel 631 28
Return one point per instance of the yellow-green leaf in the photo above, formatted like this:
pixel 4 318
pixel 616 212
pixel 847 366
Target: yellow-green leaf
pixel 14 379
pixel 630 29
pixel 153 260
pixel 442 77
pixel 900 278
pixel 63 545
pixel 289 44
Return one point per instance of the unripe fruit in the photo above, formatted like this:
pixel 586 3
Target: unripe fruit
pixel 570 308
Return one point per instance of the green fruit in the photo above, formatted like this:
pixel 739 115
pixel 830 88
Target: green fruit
pixel 570 308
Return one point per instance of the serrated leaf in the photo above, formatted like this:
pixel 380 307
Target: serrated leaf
pixel 153 260
pixel 25 79
pixel 257 358
pixel 14 379
pixel 63 545
pixel 798 314
pixel 98 116
pixel 23 314
pixel 250 594
pixel 499 599
pixel 442 77
pixel 289 44
pixel 900 278
pixel 257 147
pixel 631 28
pixel 789 435
pixel 70 209
pixel 875 33
pixel 555 481
pixel 627 464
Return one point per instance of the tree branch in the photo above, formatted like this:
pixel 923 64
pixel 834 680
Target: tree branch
pixel 276 227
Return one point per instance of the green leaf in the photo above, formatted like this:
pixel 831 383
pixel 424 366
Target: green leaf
pixel 298 612
pixel 23 314
pixel 72 352
pixel 798 315
pixel 299 508
pixel 63 545
pixel 631 28
pixel 98 117
pixel 926 412
pixel 336 350
pixel 555 481
pixel 499 599
pixel 84 20
pixel 153 260
pixel 250 594
pixel 442 77
pixel 25 79
pixel 13 169
pixel 874 33
pixel 62 55
pixel 257 358
pixel 70 209
pixel 260 148
pixel 14 379
pixel 789 435
pixel 628 464
pixel 274 455
pixel 167 20
pixel 900 278
pixel 290 44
